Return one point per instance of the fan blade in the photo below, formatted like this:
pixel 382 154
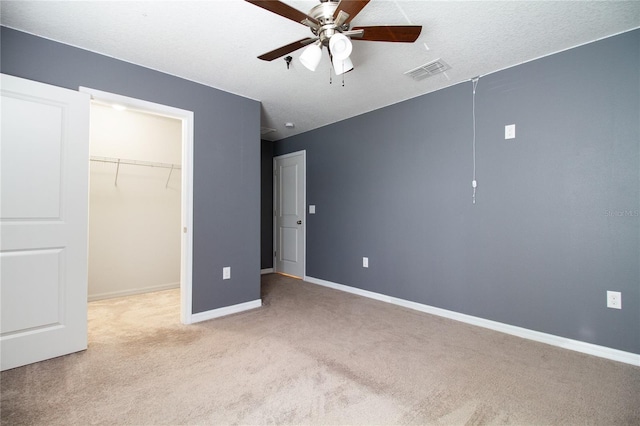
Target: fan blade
pixel 392 33
pixel 283 10
pixel 281 51
pixel 352 7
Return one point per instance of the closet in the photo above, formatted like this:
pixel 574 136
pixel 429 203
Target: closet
pixel 134 202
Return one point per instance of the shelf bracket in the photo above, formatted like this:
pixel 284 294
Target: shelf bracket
pixel 117 171
pixel 170 171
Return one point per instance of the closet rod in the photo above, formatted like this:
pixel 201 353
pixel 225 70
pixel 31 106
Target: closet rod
pixel 119 161
pixel 134 162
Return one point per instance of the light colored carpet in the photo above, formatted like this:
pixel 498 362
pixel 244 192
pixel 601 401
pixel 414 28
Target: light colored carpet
pixel 311 355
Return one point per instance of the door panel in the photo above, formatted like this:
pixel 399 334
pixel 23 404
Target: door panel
pixel 20 281
pixel 38 195
pixel 289 212
pixel 43 221
pixel 289 182
pixel 289 244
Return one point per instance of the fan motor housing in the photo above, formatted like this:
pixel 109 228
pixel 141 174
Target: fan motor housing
pixel 323 13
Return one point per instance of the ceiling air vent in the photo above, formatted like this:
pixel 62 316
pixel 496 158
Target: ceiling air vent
pixel 265 130
pixel 427 70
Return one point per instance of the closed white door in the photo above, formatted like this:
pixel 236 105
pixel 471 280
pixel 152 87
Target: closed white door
pixel 44 154
pixel 289 214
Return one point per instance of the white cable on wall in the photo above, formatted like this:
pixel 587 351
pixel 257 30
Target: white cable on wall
pixel 474 183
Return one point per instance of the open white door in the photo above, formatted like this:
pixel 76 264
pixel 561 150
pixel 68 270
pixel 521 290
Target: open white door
pixel 43 221
pixel 289 194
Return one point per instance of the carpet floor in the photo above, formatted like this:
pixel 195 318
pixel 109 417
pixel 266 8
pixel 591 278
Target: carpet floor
pixel 311 355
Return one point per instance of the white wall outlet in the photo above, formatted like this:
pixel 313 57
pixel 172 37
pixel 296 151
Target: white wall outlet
pixel 365 262
pixel 510 131
pixel 226 273
pixel 614 299
pixel 312 209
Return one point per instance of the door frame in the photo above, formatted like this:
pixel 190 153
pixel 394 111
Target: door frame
pixel 304 202
pixel 187 119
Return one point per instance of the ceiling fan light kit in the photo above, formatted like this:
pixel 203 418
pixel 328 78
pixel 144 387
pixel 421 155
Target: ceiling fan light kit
pixel 329 23
pixel 340 46
pixel 342 66
pixel 311 56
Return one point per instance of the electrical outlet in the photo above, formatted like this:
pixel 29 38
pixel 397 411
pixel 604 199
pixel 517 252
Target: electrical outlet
pixel 510 131
pixel 614 299
pixel 226 273
pixel 365 262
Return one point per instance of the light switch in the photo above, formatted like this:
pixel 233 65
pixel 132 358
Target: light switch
pixel 226 273
pixel 312 209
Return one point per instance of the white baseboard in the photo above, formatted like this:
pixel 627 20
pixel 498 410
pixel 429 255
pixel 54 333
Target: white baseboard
pixel 227 310
pixel 550 339
pixel 266 271
pixel 131 292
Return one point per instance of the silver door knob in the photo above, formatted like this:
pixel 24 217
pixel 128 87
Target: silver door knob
pixel 299 222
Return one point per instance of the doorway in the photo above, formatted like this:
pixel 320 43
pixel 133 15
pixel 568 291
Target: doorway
pixel 185 180
pixel 134 202
pixel 289 223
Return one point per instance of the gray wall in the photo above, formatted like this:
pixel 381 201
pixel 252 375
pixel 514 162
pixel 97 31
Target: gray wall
pixel 266 200
pixel 226 155
pixel 556 222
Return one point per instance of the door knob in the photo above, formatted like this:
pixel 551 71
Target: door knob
pixel 299 222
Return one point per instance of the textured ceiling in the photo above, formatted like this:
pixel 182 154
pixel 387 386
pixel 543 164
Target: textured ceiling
pixel 216 43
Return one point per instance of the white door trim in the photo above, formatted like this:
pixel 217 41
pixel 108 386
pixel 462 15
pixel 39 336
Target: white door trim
pixel 187 118
pixel 304 201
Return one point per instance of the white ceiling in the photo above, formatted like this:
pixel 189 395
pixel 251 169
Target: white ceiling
pixel 216 43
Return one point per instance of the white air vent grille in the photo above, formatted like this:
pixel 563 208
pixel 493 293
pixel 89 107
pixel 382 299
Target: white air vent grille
pixel 265 130
pixel 427 70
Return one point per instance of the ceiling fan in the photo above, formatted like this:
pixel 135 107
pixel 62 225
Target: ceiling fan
pixel 330 22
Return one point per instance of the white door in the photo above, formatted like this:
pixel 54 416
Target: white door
pixel 289 194
pixel 44 154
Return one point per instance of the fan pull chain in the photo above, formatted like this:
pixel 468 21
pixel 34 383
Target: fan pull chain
pixel 331 75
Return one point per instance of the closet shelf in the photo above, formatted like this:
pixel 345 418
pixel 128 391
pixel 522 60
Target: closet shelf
pixel 119 161
pixel 134 162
